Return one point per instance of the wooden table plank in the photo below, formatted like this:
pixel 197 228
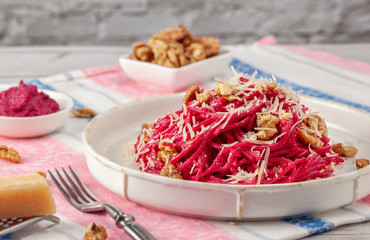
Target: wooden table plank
pixel 33 62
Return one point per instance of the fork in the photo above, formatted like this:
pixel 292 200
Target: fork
pixel 84 200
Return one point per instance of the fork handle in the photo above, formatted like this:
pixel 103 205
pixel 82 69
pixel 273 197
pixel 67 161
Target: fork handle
pixel 127 223
pixel 135 230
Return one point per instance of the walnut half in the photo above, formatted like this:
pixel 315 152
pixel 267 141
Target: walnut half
pixel 96 232
pixel 267 124
pixel 344 151
pixel 190 94
pixel 10 154
pixel 204 97
pixel 222 89
pixel 309 138
pixel 141 52
pixel 84 113
pixel 362 162
pixel 309 128
pixel 170 170
pixel 166 153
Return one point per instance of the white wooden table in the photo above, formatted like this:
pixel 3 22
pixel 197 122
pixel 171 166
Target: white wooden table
pixel 34 62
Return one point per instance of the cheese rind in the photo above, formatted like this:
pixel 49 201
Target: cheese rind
pixel 25 196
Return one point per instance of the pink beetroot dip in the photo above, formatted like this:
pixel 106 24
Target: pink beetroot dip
pixel 25 101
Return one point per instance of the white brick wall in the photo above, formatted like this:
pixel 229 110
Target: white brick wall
pixel 121 22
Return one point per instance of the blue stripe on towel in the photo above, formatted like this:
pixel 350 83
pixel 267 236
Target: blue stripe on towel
pixel 107 96
pixel 9 237
pixel 40 85
pixel 311 224
pixel 76 105
pixel 249 69
pixel 69 76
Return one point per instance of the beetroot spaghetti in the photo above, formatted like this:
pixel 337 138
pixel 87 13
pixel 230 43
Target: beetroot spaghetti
pixel 245 131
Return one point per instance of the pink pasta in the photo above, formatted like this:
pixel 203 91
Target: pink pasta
pixel 245 131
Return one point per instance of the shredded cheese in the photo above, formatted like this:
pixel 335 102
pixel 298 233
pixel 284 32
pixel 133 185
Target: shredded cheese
pixel 241 176
pixel 191 131
pixel 263 166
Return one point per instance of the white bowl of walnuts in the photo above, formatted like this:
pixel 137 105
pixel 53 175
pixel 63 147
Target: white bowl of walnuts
pixel 174 60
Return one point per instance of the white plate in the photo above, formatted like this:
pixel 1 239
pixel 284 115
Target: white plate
pixel 26 127
pixel 175 79
pixel 105 136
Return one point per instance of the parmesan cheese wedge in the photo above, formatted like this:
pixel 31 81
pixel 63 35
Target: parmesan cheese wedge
pixel 25 196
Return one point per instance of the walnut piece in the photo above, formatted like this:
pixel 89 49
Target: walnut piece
pixel 10 154
pixel 169 170
pixel 313 122
pixel 175 34
pixel 204 97
pixel 310 128
pixel 309 138
pixel 166 153
pixel 196 52
pixel 344 151
pixel 147 125
pixel 96 232
pixel 223 90
pixel 226 91
pixel 268 122
pixel 272 85
pixel 190 94
pixel 169 54
pixel 141 52
pixel 158 45
pixel 84 113
pixel 210 45
pixel 286 115
pixel 176 55
pixel 362 162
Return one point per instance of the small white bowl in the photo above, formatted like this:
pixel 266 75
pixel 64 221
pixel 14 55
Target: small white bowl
pixel 26 127
pixel 175 79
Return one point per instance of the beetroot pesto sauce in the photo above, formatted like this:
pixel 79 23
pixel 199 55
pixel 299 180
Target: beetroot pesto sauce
pixel 26 101
pixel 245 131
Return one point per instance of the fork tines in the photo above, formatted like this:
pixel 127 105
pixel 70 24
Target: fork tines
pixel 82 199
pixel 77 196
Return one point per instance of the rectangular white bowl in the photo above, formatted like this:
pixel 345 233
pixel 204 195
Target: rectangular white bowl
pixel 175 79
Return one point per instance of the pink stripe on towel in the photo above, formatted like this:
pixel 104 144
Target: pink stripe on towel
pixel 353 65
